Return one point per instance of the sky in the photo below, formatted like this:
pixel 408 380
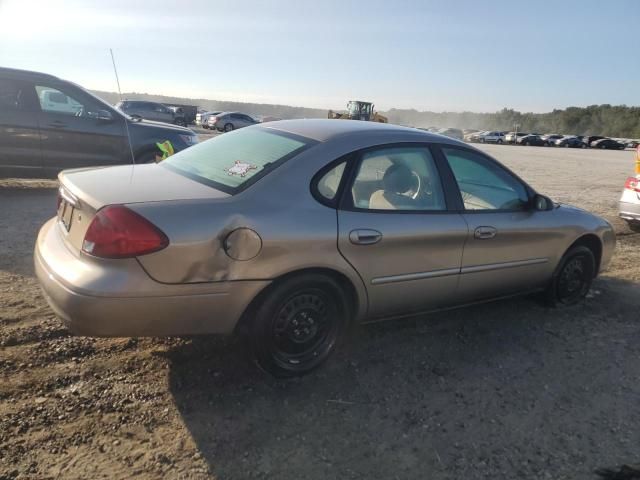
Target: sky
pixel 437 55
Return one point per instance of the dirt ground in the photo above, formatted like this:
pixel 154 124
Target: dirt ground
pixel 505 390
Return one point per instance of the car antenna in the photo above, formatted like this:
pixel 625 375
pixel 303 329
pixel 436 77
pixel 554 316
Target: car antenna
pixel 126 123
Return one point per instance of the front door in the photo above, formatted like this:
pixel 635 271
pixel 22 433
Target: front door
pixel 19 137
pixel 72 134
pixel 510 246
pixel 395 229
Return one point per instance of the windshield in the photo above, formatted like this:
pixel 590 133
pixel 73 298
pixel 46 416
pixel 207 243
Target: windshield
pixel 235 160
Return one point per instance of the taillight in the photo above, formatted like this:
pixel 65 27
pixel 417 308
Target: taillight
pixel 632 183
pixel 117 232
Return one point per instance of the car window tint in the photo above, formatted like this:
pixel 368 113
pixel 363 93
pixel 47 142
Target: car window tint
pixel 398 178
pixel 230 160
pixel 483 184
pixel 330 181
pixel 56 101
pixel 11 95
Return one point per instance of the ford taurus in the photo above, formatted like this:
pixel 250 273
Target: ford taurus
pixel 291 231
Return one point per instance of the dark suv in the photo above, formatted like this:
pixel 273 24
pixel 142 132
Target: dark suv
pixel 48 124
pixel 151 111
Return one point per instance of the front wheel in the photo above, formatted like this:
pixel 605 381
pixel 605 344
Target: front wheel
pixel 572 279
pixel 499 142
pixel 298 325
pixel 228 127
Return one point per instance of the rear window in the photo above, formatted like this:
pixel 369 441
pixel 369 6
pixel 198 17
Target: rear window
pixel 235 160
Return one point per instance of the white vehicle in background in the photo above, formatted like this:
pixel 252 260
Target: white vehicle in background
pixel 630 199
pixel 202 118
pixel 491 137
pixel 55 101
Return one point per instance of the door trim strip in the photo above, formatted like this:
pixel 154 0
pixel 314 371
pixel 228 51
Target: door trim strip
pixel 503 265
pixel 445 272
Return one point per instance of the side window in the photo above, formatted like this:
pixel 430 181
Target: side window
pixel 160 108
pixel 328 184
pixel 398 178
pixel 483 184
pixel 55 101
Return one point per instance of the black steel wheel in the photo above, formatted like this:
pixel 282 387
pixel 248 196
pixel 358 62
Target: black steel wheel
pixel 573 277
pixel 298 325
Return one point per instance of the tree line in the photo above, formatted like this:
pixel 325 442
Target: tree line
pixel 608 120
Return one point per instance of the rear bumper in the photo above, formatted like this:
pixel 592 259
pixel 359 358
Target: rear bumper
pixel 118 298
pixel 630 211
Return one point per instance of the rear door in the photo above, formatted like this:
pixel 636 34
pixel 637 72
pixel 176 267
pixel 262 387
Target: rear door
pixel 19 136
pixel 511 247
pixel 77 137
pixel 396 230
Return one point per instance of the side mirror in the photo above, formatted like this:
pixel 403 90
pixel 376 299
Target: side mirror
pixel 104 116
pixel 542 203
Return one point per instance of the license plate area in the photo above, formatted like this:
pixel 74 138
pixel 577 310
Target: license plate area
pixel 65 214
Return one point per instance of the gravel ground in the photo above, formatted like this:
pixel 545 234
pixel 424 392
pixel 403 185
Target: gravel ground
pixel 500 391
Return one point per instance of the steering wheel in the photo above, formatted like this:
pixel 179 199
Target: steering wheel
pixel 414 191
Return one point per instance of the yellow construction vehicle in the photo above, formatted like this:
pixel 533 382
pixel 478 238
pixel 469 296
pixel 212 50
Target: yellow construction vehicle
pixel 358 110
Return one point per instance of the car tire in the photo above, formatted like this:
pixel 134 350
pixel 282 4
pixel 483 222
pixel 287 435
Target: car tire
pixel 566 145
pixel 634 226
pixel 298 324
pixel 228 127
pixel 525 144
pixel 482 140
pixel 499 142
pixel 602 147
pixel 572 279
pixel 180 122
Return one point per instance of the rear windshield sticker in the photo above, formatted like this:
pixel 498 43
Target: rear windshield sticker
pixel 240 168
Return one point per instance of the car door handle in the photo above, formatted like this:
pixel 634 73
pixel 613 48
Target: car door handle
pixel 58 124
pixel 365 236
pixel 485 233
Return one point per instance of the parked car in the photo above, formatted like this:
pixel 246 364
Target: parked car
pixel 531 140
pixel 632 143
pixel 550 138
pixel 451 132
pixel 473 137
pixel 157 112
pixel 512 137
pixel 290 232
pixel 491 137
pixel 188 112
pixel 40 135
pixel 570 142
pixel 630 202
pixel 608 144
pixel 202 118
pixel 589 139
pixel 227 121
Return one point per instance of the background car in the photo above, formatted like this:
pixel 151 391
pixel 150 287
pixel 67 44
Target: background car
pixel 629 205
pixel 151 111
pixel 608 144
pixel 452 133
pixel 589 139
pixel 531 140
pixel 491 137
pixel 202 118
pixel 512 137
pixel 91 133
pixel 227 121
pixel 570 142
pixel 473 137
pixel 550 138
pixel 289 233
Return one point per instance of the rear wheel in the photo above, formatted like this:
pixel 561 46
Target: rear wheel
pixel 298 324
pixel 573 278
pixel 634 225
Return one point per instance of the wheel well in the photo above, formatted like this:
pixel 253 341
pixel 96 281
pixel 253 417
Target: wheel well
pixel 593 243
pixel 341 279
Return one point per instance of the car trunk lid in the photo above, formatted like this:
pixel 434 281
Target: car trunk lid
pixel 83 192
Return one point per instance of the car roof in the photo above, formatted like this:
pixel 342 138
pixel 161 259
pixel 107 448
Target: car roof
pixel 18 74
pixel 323 130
